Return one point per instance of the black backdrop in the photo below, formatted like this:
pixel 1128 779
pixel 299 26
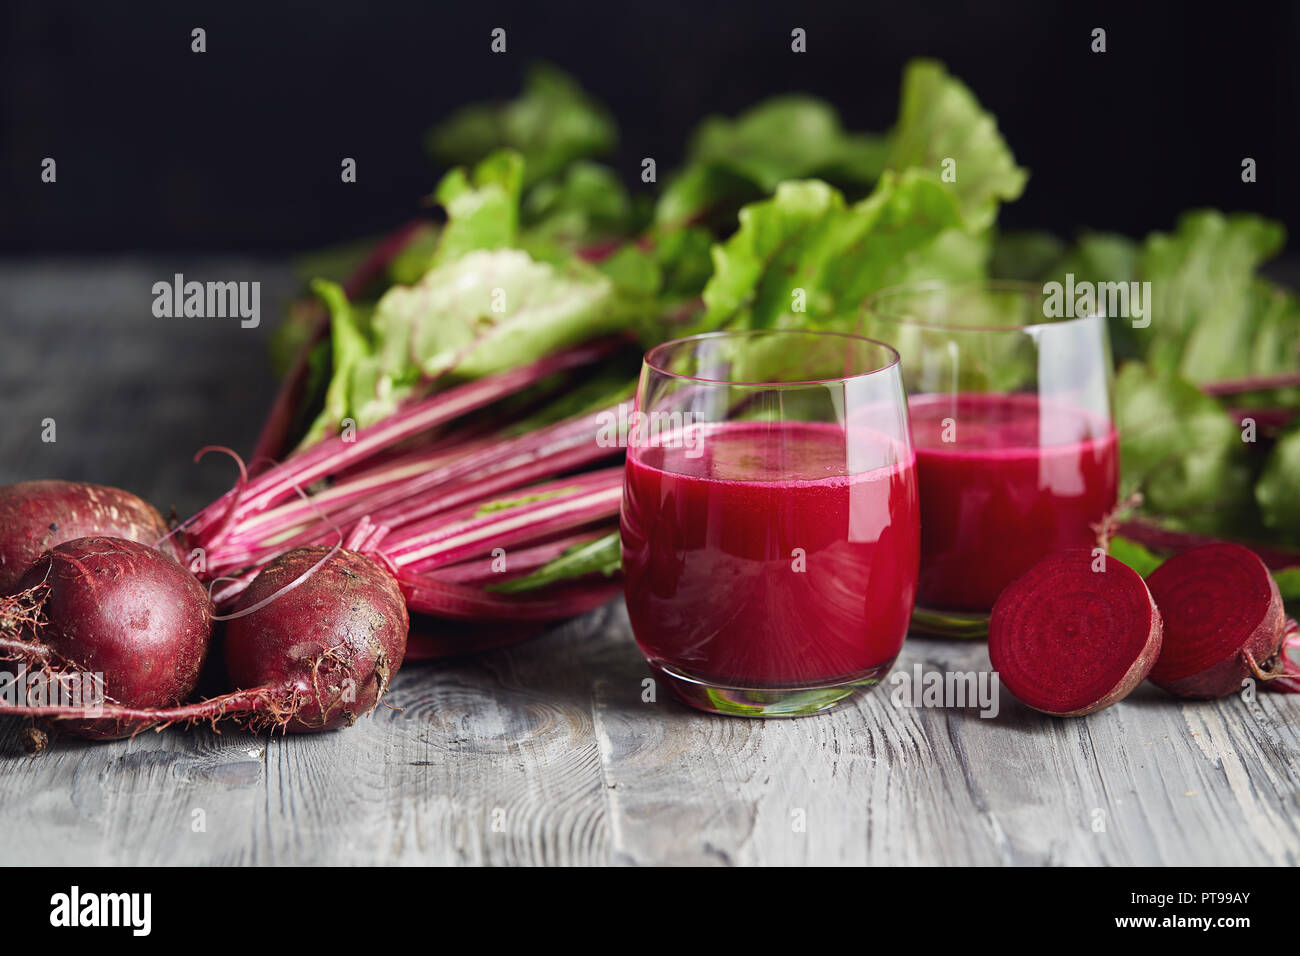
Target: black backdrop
pixel 239 148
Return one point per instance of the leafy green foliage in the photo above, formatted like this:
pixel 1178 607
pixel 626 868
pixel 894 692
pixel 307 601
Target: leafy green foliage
pixel 1207 302
pixel 551 124
pixel 1278 491
pixel 1180 448
pixel 732 161
pixel 806 257
pixel 940 120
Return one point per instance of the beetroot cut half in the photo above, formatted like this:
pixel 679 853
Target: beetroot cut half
pixel 1224 620
pixel 1068 640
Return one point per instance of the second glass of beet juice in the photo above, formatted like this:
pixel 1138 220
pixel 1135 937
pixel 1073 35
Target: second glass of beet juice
pixel 1017 455
pixel 770 519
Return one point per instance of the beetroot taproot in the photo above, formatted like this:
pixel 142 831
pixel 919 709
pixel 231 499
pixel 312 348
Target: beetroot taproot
pixel 37 515
pixel 116 608
pixel 312 645
pixel 1224 620
pixel 1075 633
pixel 323 652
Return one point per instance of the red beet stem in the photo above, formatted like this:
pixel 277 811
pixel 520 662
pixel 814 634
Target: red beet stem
pixel 569 503
pixel 428 595
pixel 1159 538
pixel 332 455
pixel 483 570
pixel 1068 638
pixel 1257 383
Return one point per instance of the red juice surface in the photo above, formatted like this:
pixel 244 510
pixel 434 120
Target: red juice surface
pixel 712 577
pixel 1021 480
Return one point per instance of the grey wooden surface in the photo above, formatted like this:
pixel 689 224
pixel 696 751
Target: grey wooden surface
pixel 547 753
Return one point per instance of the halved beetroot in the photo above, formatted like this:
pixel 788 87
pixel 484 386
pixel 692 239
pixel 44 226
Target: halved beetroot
pixel 1069 638
pixel 1223 618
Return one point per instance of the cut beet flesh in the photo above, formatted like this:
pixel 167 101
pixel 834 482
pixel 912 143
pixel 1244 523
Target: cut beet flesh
pixel 1223 620
pixel 1068 640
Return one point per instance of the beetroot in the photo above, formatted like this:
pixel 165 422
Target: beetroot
pixel 1068 640
pixel 1223 617
pixel 321 654
pixel 101 605
pixel 37 515
pixel 313 643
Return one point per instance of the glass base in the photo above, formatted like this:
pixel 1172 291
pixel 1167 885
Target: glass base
pixel 963 624
pixel 794 701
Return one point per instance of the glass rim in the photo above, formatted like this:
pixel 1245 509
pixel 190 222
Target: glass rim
pixel 651 361
pixel 1022 286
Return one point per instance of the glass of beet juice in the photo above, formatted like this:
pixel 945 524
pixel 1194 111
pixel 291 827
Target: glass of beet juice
pixel 770 519
pixel 1016 452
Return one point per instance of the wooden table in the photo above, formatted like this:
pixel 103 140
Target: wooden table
pixel 547 753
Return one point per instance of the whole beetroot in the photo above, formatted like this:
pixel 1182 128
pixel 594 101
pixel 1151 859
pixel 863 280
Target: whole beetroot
pixel 313 643
pixel 37 515
pixel 328 647
pixel 116 608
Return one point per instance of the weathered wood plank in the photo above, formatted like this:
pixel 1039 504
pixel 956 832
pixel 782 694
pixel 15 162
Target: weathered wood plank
pixel 1151 781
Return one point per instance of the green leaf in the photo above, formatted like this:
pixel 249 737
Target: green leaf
pixel 787 137
pixel 601 555
pixel 485 312
pixel 806 246
pixel 685 261
pixel 1288 583
pixel 416 256
pixel 1135 555
pixel 1207 305
pixel 552 123
pixel 731 161
pixel 482 206
pixel 349 351
pixel 1180 449
pixel 492 310
pixel 940 120
pixel 585 203
pixel 1278 489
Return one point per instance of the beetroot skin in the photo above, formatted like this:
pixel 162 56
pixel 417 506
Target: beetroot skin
pixel 325 650
pixel 1224 620
pixel 37 515
pixel 1067 640
pixel 123 609
pixel 321 634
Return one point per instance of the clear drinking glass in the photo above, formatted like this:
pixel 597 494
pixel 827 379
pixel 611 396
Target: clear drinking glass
pixel 770 519
pixel 1016 449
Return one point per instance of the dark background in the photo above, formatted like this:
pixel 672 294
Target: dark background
pixel 238 149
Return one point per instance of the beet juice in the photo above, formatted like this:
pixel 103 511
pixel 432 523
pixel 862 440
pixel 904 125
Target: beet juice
pixel 771 557
pixel 1005 480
